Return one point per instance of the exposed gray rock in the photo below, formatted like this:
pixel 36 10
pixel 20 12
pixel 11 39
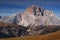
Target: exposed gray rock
pixel 13 31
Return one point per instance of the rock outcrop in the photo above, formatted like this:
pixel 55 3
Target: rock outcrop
pixel 12 30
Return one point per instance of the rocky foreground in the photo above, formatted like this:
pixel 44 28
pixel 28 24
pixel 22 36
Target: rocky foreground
pixel 12 30
pixel 50 36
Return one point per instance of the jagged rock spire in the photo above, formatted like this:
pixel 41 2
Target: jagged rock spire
pixel 36 10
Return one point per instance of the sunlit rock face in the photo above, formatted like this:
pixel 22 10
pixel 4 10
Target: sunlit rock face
pixel 42 17
pixel 33 16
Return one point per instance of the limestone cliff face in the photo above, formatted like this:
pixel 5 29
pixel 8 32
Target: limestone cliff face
pixel 34 16
pixel 37 17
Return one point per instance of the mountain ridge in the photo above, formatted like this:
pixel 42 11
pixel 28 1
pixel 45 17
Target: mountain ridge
pixel 33 16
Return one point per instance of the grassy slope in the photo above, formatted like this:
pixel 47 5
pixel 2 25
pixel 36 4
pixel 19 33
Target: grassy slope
pixel 51 36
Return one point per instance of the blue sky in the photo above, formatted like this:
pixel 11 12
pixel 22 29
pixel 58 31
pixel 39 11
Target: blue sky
pixel 8 7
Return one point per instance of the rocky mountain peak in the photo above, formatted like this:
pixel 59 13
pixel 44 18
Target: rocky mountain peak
pixel 33 16
pixel 36 10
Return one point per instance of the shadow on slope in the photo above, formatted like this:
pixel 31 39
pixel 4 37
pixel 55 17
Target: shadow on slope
pixel 51 36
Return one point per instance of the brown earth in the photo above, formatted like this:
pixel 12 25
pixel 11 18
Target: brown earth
pixel 2 24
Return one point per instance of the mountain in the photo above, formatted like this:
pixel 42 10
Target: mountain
pixel 33 21
pixel 33 16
